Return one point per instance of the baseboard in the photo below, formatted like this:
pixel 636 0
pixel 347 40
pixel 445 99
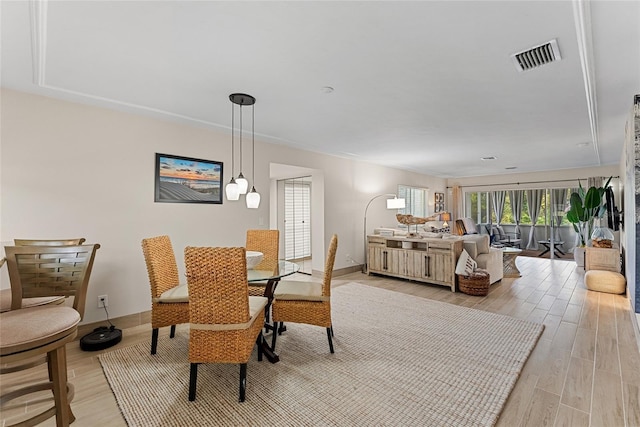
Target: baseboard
pixel 123 322
pixel 339 272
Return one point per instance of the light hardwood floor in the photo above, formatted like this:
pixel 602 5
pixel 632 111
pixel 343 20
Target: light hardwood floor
pixel 584 371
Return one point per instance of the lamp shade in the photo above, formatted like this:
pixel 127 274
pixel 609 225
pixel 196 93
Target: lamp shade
pixel 445 217
pixel 243 184
pixel 253 199
pixel 232 190
pixel 396 203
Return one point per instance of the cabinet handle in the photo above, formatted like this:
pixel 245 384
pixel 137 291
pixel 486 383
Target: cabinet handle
pixel 384 260
pixel 427 268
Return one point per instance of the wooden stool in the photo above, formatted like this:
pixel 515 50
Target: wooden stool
pixel 30 332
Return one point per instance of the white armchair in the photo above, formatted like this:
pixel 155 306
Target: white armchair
pixel 487 258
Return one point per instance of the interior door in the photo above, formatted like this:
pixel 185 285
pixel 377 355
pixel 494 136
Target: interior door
pixel 297 222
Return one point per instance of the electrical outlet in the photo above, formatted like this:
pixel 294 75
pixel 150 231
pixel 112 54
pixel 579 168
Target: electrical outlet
pixel 347 258
pixel 103 301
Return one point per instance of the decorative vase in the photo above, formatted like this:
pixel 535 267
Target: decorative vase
pixel 578 255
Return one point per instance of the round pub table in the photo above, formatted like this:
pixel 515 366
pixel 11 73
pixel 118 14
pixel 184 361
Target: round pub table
pixel 509 256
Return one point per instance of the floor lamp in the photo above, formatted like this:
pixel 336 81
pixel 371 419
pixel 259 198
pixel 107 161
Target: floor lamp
pixel 393 203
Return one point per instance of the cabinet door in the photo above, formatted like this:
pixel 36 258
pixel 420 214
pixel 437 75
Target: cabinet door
pixel 440 266
pixel 377 258
pixel 417 264
pixel 395 261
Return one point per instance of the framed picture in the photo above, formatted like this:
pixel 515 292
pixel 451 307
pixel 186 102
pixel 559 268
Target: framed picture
pixel 187 180
pixel 438 205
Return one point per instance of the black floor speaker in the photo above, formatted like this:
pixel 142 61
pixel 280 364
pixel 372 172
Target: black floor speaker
pixel 101 338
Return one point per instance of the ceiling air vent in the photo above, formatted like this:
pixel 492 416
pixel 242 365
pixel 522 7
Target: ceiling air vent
pixel 537 56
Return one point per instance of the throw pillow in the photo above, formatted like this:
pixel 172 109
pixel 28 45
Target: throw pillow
pixel 466 265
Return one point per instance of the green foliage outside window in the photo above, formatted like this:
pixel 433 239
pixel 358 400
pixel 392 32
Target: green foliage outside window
pixel 477 208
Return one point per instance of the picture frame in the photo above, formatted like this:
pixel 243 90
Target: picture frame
pixel 438 205
pixel 180 179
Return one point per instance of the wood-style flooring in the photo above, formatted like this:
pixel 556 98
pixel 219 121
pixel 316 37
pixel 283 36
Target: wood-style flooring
pixel 584 371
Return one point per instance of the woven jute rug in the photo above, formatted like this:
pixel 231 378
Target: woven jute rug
pixel 399 360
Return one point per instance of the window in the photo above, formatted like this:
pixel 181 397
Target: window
pixel 415 200
pixel 478 207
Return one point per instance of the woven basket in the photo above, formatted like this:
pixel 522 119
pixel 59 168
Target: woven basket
pixel 475 284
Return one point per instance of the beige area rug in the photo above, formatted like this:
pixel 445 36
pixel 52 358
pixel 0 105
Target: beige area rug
pixel 400 360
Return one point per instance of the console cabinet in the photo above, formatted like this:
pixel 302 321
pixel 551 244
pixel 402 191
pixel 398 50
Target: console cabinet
pixel 424 260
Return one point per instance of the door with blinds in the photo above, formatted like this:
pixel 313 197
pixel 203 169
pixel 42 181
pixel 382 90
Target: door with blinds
pixel 297 222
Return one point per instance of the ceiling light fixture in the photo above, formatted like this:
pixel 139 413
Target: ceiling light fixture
pixel 242 99
pixel 488 158
pixel 235 187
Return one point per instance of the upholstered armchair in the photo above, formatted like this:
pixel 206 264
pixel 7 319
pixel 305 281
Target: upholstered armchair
pixel 487 258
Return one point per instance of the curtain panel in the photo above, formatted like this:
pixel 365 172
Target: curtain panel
pixel 534 198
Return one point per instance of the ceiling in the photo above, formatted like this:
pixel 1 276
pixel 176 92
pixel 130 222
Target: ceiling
pixel 423 86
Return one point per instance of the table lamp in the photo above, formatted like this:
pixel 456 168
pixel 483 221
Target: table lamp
pixel 446 216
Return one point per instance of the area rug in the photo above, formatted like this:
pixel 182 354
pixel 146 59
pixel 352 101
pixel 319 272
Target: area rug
pixel 399 360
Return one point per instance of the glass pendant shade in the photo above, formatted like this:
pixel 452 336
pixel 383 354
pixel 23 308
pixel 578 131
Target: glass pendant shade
pixel 253 199
pixel 232 190
pixel 243 184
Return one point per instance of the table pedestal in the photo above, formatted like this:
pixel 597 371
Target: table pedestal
pixel 509 263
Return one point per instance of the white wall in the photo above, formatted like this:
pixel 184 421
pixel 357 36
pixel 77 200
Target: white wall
pixel 70 170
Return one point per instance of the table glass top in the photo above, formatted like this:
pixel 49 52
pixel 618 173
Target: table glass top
pixel 511 250
pixel 284 268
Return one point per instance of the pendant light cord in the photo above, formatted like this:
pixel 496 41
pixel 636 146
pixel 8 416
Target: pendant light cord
pixel 240 137
pixel 233 143
pixel 253 145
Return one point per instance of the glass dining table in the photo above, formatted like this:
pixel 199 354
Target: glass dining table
pixel 272 277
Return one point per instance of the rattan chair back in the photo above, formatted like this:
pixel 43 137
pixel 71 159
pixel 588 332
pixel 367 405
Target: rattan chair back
pixel 38 271
pixel 161 264
pixel 328 265
pixel 267 242
pixel 217 281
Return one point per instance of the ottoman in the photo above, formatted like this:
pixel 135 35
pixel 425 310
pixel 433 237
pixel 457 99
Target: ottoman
pixel 605 281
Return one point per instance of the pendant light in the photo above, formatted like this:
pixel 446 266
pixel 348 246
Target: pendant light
pixel 242 99
pixel 253 198
pixel 232 190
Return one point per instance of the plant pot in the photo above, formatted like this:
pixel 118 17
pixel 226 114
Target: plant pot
pixel 578 255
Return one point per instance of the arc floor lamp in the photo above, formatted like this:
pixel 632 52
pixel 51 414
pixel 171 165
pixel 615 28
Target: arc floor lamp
pixel 393 203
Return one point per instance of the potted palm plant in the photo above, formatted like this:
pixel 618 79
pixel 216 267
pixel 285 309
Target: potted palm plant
pixel 584 208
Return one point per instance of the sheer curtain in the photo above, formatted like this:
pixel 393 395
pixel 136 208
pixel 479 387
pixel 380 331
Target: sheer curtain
pixel 534 199
pixel 558 203
pixel 517 197
pixel 456 203
pixel 497 199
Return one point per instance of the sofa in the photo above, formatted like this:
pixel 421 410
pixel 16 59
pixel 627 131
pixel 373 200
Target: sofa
pixel 478 247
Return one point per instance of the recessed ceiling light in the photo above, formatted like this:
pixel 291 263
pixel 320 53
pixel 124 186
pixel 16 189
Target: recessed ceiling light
pixel 583 144
pixel 326 89
pixel 511 167
pixel 488 158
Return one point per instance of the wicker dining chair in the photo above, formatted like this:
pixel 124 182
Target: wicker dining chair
pixel 5 294
pixel 306 302
pixel 267 242
pixel 225 322
pixel 169 298
pixel 30 333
